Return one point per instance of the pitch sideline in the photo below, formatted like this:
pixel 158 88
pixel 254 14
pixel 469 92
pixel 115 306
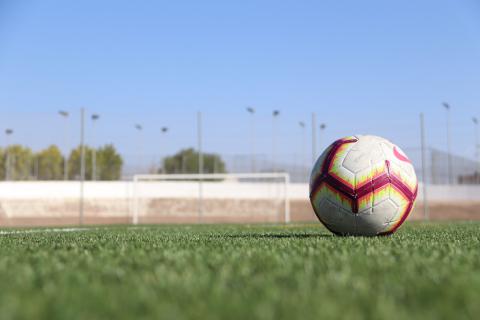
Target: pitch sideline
pixel 56 230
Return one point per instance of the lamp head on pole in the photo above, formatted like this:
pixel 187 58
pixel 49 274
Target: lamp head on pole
pixel 301 124
pixel 475 120
pixel 138 127
pixel 9 132
pixel 164 129
pixel 276 113
pixel 251 110
pixel 63 113
pixel 95 117
pixel 323 126
pixel 446 105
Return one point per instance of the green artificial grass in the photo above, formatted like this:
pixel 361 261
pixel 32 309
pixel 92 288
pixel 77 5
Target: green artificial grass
pixel 426 271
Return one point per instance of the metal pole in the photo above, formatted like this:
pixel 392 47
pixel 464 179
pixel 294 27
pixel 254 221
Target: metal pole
pixel 275 114
pixel 32 168
pixel 252 139
pixel 65 163
pixel 449 145
pixel 287 199
pixel 7 162
pixel 162 162
pixel 184 170
pixel 450 164
pixel 304 153
pixel 433 163
pixel 200 167
pixel 139 128
pixel 477 146
pixel 320 136
pixel 314 137
pixel 65 115
pixel 94 154
pixel 135 200
pixel 426 213
pixel 304 156
pixel 36 168
pixel 254 164
pixel 274 169
pixel 95 117
pixel 8 168
pixel 82 164
pixel 94 150
pixel 13 169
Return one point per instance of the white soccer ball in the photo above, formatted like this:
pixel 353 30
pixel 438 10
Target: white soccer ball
pixel 363 185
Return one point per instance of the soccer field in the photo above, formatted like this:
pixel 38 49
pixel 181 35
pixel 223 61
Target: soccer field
pixel 240 272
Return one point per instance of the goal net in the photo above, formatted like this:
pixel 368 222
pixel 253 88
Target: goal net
pixel 211 198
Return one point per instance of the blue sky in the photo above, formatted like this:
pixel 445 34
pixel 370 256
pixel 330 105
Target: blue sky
pixel 361 66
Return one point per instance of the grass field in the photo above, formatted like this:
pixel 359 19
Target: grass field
pixel 241 272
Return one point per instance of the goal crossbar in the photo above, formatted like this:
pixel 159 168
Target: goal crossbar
pixel 207 176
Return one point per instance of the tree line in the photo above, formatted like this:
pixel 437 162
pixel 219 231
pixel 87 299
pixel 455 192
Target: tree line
pixel 19 162
pixel 187 161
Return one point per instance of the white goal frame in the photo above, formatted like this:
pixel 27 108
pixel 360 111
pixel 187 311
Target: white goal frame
pixel 200 178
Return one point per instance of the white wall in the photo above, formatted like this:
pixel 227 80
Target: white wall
pixel 123 189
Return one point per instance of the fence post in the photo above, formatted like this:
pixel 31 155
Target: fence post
pixel 135 200
pixel 287 199
pixel 82 165
pixel 200 167
pixel 424 169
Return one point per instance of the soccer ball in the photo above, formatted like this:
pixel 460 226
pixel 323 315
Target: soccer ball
pixel 363 185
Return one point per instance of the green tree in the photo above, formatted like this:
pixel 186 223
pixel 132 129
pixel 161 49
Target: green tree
pixel 50 164
pixel 109 163
pixel 19 160
pixel 74 163
pixel 186 161
pixel 2 164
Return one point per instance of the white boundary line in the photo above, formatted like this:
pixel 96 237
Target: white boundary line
pixel 67 230
pixel 39 230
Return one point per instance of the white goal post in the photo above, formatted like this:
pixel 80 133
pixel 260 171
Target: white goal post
pixel 203 196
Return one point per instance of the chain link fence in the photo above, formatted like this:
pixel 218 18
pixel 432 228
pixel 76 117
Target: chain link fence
pixel 440 169
pixel 463 170
pixel 285 147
